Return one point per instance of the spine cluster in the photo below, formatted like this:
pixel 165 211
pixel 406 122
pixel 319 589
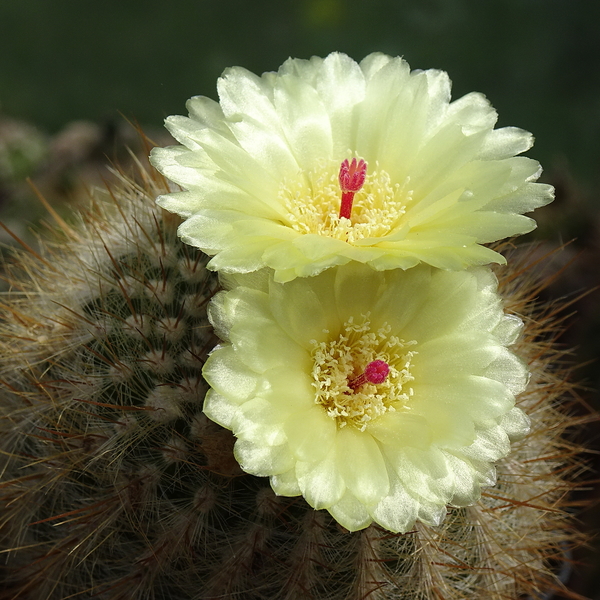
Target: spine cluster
pixel 116 486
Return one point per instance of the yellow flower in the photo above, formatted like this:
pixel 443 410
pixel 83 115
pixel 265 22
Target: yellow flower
pixel 264 170
pixel 379 396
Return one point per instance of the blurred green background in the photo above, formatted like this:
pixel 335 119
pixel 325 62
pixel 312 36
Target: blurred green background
pixel 538 61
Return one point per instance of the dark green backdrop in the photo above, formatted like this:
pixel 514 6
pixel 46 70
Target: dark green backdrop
pixel 537 60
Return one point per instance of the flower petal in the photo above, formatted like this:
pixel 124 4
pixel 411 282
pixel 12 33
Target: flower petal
pixel 302 311
pixel 321 482
pixel 226 374
pixel 402 429
pixel 515 423
pixel 510 370
pixel 304 120
pixel 262 460
pixel 219 409
pixel 286 484
pixel 350 513
pixel 398 511
pixel 261 421
pixel 361 465
pixel 310 435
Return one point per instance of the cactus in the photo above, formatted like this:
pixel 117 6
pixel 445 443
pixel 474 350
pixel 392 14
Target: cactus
pixel 115 485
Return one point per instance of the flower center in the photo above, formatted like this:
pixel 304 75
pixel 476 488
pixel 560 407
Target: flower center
pixel 362 373
pixel 371 206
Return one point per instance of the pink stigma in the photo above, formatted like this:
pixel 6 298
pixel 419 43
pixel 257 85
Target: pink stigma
pixel 352 177
pixel 375 372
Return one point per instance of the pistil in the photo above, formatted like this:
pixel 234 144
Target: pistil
pixel 375 372
pixel 352 177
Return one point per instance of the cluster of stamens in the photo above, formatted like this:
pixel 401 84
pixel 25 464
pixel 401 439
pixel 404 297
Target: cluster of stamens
pixel 362 374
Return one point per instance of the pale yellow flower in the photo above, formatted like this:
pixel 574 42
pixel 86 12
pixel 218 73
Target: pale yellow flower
pixel 261 170
pixel 379 396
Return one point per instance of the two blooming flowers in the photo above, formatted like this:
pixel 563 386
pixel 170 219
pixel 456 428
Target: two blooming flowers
pixel 365 359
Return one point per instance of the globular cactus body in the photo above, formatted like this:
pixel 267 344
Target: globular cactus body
pixel 116 486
